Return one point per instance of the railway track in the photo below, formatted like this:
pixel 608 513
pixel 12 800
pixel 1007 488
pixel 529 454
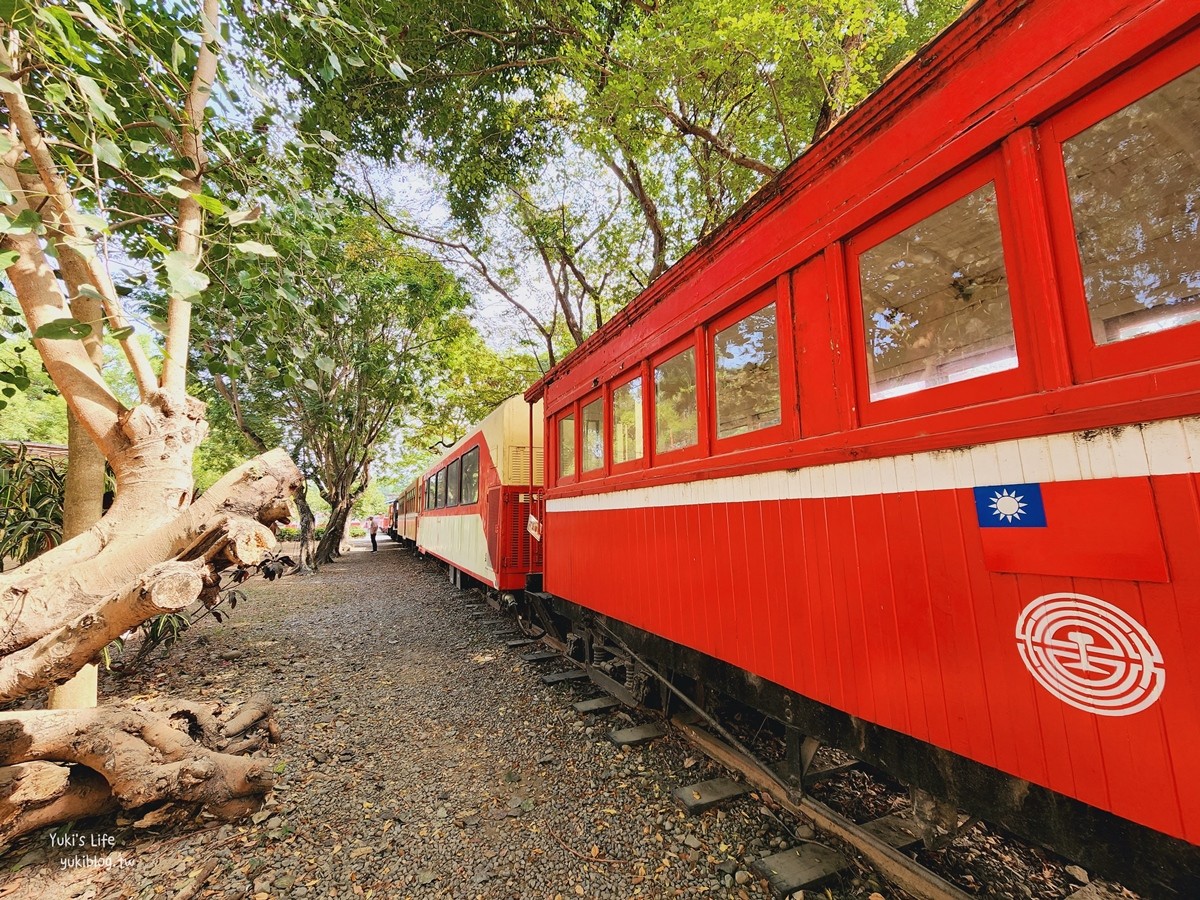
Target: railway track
pixel 892 844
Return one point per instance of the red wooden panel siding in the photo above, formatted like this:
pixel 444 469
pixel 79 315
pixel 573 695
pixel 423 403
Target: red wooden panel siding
pixel 883 606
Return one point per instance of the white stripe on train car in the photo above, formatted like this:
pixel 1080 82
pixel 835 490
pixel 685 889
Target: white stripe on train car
pixel 1170 447
pixel 460 541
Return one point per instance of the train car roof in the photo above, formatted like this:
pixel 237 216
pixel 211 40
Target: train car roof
pixel 908 81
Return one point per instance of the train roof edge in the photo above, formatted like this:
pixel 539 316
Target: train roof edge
pixel 908 80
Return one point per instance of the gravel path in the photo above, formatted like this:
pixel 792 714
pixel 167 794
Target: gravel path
pixel 421 758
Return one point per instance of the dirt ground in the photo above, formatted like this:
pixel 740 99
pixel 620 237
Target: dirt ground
pixel 421 758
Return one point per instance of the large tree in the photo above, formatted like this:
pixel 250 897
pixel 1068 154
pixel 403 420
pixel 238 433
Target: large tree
pixel 117 171
pixel 678 109
pixel 380 321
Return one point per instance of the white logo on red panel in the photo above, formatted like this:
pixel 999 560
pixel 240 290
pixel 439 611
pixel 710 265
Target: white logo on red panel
pixel 1090 654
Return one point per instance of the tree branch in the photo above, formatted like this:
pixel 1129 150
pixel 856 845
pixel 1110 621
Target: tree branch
pixel 74 233
pixel 722 149
pixel 191 216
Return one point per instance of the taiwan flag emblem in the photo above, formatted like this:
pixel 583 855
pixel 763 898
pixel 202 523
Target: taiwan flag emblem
pixel 1017 534
pixel 1010 506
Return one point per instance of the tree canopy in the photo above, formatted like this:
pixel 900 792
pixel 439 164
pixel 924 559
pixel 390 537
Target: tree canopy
pixel 662 117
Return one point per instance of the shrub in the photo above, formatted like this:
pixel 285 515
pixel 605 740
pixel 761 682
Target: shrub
pixel 292 532
pixel 31 503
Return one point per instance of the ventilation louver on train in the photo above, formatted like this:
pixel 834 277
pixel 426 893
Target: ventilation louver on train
pixel 521 552
pixel 518 465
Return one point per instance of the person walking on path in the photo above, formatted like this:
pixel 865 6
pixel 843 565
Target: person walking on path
pixel 373 527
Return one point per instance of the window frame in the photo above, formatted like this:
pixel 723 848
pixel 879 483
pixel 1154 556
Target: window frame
pixel 698 449
pixel 788 427
pixel 919 206
pixel 628 377
pixel 462 494
pixel 571 409
pixel 605 407
pixel 457 498
pixel 1136 354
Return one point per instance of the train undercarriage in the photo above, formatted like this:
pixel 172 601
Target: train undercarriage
pixel 637 667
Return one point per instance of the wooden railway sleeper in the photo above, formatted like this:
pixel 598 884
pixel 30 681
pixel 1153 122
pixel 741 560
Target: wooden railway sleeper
pixel 781 783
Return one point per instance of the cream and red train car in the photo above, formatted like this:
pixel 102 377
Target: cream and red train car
pixel 909 448
pixel 404 511
pixel 475 502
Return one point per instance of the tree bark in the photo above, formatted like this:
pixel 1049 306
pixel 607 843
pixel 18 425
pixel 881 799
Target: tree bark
pixel 83 499
pixel 305 563
pixel 38 794
pixel 32 603
pixel 145 757
pixel 171 587
pixel 335 528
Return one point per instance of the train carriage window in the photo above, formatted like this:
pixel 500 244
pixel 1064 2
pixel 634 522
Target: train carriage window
pixel 746 357
pixel 566 446
pixel 627 422
pixel 675 402
pixel 592 446
pixel 470 476
pixel 443 484
pixel 438 493
pixel 453 482
pixel 935 300
pixel 1134 181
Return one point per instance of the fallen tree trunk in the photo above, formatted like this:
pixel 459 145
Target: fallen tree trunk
pixel 57 656
pixel 33 605
pixel 135 757
pixel 40 794
pixel 158 552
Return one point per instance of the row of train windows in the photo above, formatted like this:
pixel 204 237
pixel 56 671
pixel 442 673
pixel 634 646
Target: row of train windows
pixel 747 383
pixel 407 502
pixel 456 484
pixel 935 299
pixel 935 296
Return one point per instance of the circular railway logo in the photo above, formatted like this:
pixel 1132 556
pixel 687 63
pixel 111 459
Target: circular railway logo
pixel 1090 654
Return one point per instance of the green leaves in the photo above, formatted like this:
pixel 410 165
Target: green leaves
pixel 108 152
pixel 210 204
pixel 255 248
pixel 63 329
pixel 186 283
pixel 31 503
pixel 243 216
pixel 26 222
pixel 99 106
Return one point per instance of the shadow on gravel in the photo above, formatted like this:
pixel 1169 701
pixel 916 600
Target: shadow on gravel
pixel 420 759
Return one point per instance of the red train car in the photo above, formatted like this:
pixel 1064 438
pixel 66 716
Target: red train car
pixel 916 436
pixel 474 503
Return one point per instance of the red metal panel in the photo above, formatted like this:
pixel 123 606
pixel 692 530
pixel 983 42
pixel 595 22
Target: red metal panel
pixel 961 669
pixel 1011 692
pixel 880 634
pixel 854 656
pixel 1172 617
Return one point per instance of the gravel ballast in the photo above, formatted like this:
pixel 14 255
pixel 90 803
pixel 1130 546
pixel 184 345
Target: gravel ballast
pixel 421 758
